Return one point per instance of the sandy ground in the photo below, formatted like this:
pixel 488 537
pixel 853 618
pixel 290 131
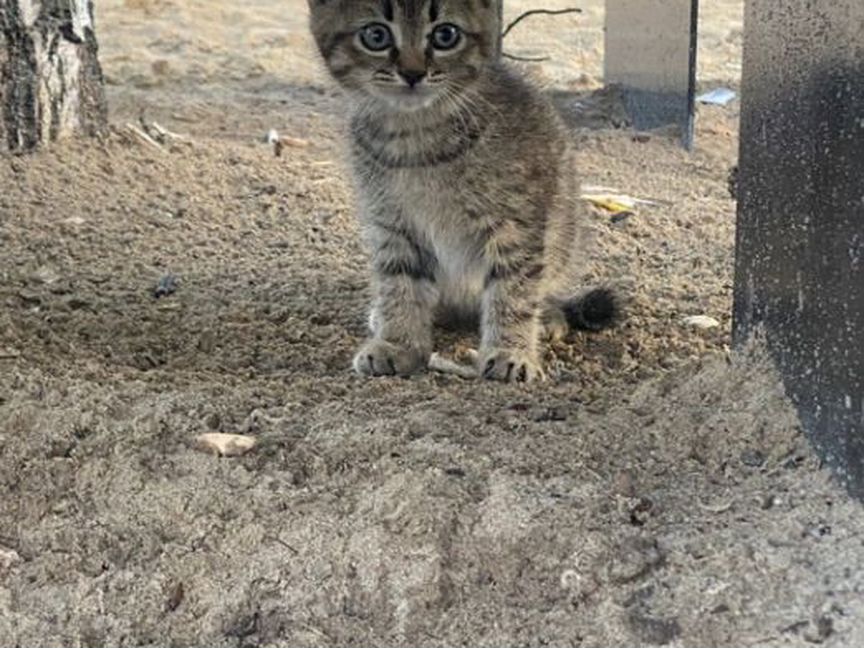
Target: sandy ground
pixel 656 492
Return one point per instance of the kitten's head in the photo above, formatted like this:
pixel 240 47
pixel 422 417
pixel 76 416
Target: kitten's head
pixel 406 53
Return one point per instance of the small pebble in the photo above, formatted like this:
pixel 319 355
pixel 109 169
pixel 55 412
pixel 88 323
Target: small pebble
pixel 8 558
pixel 753 458
pixel 702 322
pixel 226 445
pixel 46 275
pixel 167 286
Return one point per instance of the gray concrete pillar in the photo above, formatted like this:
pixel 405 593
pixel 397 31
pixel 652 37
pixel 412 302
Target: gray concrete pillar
pixel 651 54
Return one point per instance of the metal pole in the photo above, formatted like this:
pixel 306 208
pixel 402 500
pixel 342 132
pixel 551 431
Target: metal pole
pixel 800 248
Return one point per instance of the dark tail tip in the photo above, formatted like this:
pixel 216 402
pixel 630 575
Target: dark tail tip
pixel 596 310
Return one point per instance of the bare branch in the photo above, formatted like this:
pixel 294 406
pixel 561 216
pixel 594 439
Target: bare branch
pixel 534 12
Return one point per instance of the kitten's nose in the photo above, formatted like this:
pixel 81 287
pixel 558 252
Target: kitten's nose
pixel 412 77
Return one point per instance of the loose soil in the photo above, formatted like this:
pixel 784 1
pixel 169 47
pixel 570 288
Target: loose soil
pixel 656 491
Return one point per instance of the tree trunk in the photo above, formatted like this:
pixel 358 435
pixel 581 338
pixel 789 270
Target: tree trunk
pixel 51 83
pixel 500 43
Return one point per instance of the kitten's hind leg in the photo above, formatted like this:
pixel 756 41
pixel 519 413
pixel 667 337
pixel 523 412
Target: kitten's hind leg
pixel 554 321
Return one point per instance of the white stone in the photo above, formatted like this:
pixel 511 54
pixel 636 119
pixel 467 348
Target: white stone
pixel 226 445
pixel 702 322
pixel 8 558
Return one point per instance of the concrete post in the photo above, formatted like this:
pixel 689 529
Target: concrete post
pixel 651 54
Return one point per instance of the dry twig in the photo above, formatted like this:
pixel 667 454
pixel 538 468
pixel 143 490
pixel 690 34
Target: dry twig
pixel 141 136
pixel 534 12
pixel 525 59
pixel 527 14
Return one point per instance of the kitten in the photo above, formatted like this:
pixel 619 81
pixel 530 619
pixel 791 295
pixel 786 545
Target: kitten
pixel 466 184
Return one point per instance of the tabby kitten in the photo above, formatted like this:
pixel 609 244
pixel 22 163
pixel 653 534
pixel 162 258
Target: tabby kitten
pixel 467 191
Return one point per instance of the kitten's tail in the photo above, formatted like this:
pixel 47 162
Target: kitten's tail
pixel 598 309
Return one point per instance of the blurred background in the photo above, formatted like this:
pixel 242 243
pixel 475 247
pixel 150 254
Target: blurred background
pixel 153 43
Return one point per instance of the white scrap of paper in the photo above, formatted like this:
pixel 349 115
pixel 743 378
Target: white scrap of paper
pixel 717 97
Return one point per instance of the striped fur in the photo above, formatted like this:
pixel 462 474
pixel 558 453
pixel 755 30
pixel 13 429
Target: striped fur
pixel 466 184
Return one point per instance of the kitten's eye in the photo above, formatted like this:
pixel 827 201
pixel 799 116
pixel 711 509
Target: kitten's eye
pixel 446 37
pixel 376 37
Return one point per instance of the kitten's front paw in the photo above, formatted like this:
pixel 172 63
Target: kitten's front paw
pixel 510 365
pixel 382 358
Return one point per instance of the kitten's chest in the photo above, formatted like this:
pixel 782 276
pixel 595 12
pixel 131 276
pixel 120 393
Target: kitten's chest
pixel 438 206
pixel 437 209
pixel 434 197
pixel 419 170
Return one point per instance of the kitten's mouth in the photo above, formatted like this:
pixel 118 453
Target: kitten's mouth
pixel 406 98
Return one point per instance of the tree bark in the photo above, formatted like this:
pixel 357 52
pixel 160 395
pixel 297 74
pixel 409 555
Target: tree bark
pixel 500 42
pixel 51 84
